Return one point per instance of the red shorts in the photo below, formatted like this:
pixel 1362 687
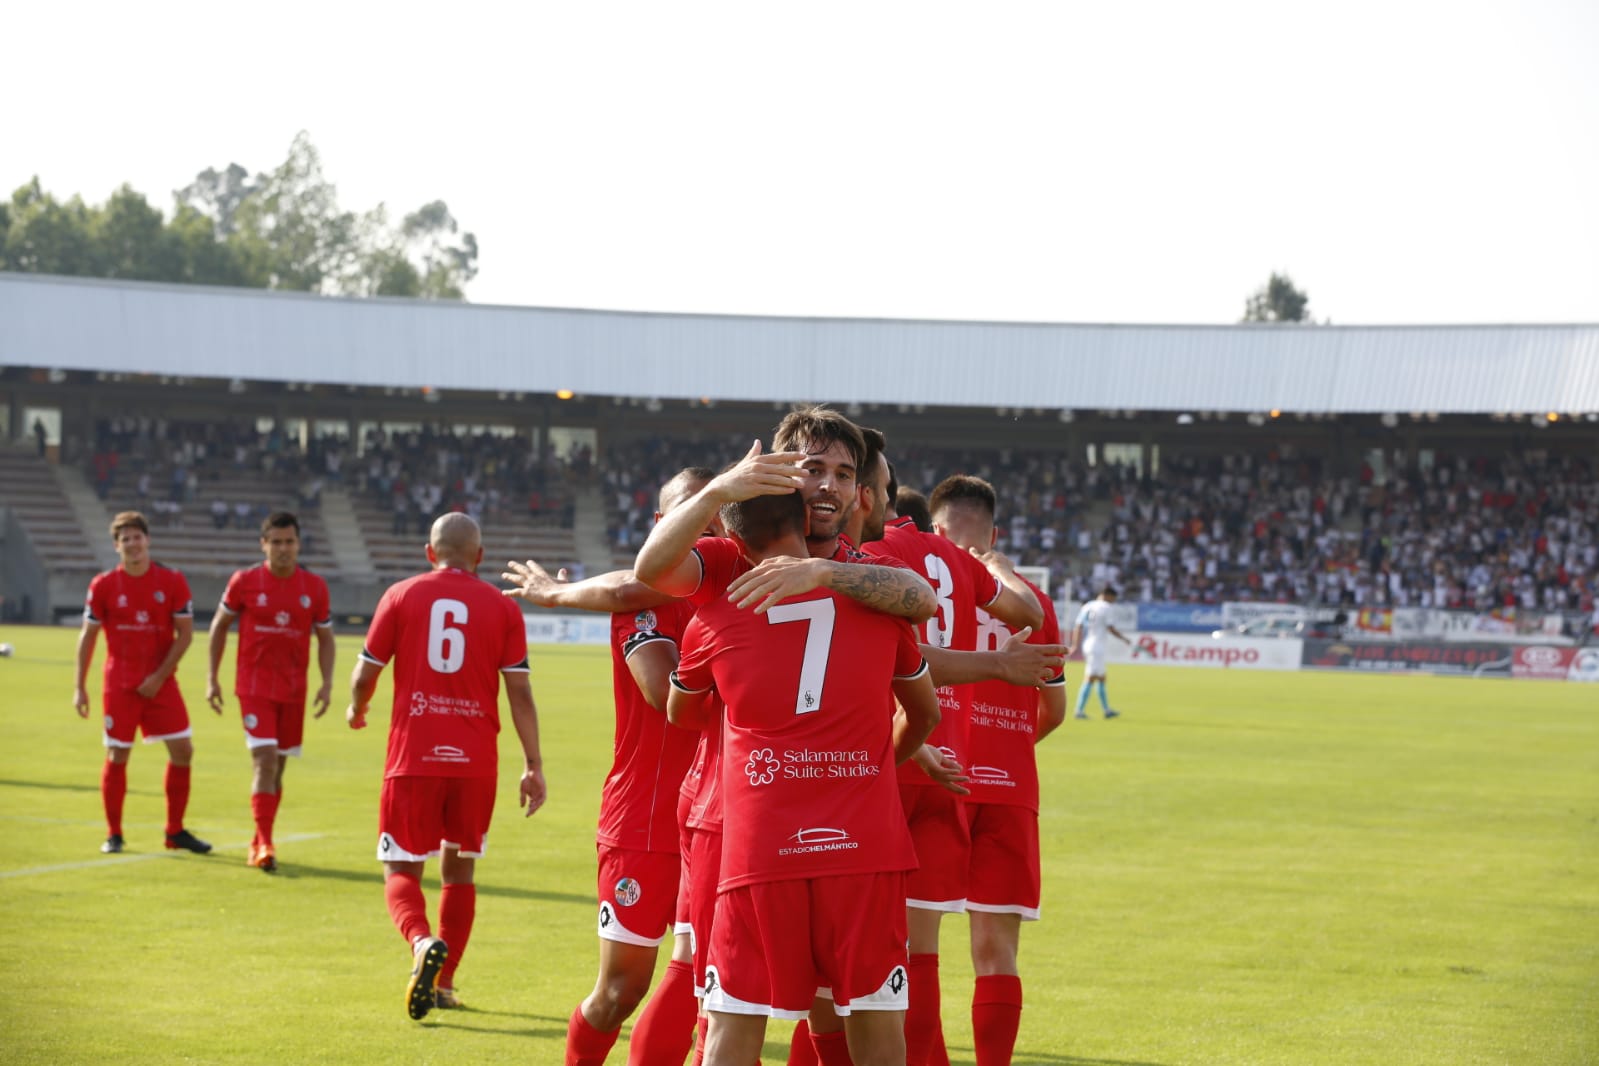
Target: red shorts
pixel 1005 871
pixel 778 944
pixel 163 718
pixel 420 816
pixel 705 870
pixel 937 820
pixel 638 894
pixel 268 722
pixel 680 919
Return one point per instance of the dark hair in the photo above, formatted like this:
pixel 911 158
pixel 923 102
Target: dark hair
pixel 963 490
pixel 908 503
pixel 761 520
pixel 817 428
pixel 893 486
pixel 280 520
pixel 875 443
pixel 1109 590
pixel 125 519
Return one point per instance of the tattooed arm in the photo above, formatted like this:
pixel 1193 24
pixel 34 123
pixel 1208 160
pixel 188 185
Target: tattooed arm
pixel 890 589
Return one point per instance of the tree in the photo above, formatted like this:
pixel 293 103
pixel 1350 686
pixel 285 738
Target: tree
pixel 1277 301
pixel 282 229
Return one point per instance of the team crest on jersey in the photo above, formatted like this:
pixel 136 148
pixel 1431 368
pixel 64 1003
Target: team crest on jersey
pixel 249 721
pixel 160 597
pixel 628 891
pixel 305 601
pixel 281 618
pixel 645 621
pixel 261 600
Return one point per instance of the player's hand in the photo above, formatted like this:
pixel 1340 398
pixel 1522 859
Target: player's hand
pixel 1022 663
pixel 774 580
pixel 150 686
pixel 532 791
pixel 80 702
pixel 356 716
pixel 213 694
pixel 324 696
pixel 942 768
pixel 758 475
pixel 996 561
pixel 533 583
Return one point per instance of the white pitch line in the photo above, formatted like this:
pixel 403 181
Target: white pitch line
pixel 123 860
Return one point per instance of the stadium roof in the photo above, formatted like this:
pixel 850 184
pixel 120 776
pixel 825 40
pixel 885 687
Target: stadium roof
pixel 134 327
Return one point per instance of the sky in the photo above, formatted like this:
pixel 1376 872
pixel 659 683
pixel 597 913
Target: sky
pixel 1139 162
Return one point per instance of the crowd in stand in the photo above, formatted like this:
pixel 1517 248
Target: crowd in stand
pixel 1458 532
pixel 1474 532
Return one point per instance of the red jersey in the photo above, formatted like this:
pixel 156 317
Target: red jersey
pixel 137 615
pixel 703 782
pixel 451 636
pixel 807 747
pixel 1004 721
pixel 961 585
pixel 638 804
pixel 275 619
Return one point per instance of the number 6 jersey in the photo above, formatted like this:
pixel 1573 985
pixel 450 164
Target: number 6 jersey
pixel 450 635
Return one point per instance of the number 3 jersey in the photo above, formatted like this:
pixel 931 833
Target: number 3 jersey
pixel 450 636
pixel 808 784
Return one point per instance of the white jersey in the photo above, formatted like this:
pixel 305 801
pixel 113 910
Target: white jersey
pixel 1094 618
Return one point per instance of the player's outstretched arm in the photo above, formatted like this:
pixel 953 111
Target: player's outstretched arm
pixel 525 717
pixel 326 648
pixel 215 648
pixel 609 593
pixel 362 684
pixel 1016 662
pixel 664 562
pixel 917 716
pixel 895 590
pixel 80 692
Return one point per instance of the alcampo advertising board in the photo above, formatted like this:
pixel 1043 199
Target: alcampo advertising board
pixel 1207 652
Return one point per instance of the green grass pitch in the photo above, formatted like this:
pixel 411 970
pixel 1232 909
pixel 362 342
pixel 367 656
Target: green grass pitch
pixel 1246 868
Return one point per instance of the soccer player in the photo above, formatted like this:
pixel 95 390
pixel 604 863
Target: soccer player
pixel 812 877
pixel 452 638
pixel 1088 633
pixel 1006 722
pixel 639 841
pixel 148 617
pixel 279 604
pixel 964 580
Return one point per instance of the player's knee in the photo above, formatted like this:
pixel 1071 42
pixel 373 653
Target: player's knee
pixel 615 997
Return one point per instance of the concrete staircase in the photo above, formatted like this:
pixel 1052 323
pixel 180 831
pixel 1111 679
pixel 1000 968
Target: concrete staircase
pixel 588 530
pixel 90 512
pixel 344 537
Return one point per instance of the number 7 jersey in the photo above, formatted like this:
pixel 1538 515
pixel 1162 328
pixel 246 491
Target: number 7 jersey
pixel 808 785
pixel 450 635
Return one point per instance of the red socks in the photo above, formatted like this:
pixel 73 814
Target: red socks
pixel 407 907
pixel 457 908
pixel 924 1033
pixel 586 1045
pixel 264 809
pixel 996 1015
pixel 665 1029
pixel 832 1049
pixel 801 1052
pixel 113 790
pixel 177 782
